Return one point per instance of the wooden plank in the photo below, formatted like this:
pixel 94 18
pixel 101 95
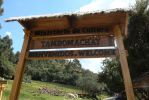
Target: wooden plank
pixel 52 23
pixel 3 82
pixel 77 31
pixel 124 64
pixel 1 91
pixel 101 19
pixel 71 35
pixel 2 86
pixel 46 23
pixel 69 54
pixel 14 95
pixel 72 42
pixel 97 19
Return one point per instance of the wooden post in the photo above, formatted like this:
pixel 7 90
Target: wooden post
pixel 20 69
pixel 124 64
pixel 1 91
pixel 2 86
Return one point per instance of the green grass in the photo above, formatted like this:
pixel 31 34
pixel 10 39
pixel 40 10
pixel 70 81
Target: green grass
pixel 29 91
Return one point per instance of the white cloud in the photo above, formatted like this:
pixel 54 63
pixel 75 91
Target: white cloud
pixel 106 4
pixel 121 4
pixel 93 65
pixel 118 4
pixel 9 34
pixel 94 5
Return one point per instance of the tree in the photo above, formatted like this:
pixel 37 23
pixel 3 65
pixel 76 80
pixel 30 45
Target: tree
pixel 141 7
pixel 111 75
pixel 1 9
pixel 88 83
pixel 137 44
pixel 60 71
pixel 6 65
pixel 137 41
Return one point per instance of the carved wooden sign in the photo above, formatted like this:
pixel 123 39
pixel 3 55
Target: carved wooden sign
pixel 73 31
pixel 72 42
pixel 68 54
pixel 66 38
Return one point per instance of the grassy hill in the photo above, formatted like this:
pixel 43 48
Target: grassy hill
pixel 36 91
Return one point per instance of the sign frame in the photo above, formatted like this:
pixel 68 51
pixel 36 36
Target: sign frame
pixel 116 20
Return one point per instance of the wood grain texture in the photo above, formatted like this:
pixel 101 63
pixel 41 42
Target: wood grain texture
pixel 72 42
pixel 1 91
pixel 124 64
pixel 70 54
pixel 14 95
pixel 89 20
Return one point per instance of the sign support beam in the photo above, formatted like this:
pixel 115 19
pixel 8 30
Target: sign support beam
pixel 2 86
pixel 1 91
pixel 20 69
pixel 124 64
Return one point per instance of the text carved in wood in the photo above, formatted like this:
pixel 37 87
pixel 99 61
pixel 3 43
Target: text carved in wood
pixel 84 30
pixel 71 54
pixel 72 42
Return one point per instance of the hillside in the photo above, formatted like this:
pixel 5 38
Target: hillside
pixel 36 91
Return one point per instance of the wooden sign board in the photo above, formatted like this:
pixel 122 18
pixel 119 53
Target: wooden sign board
pixel 73 31
pixel 69 54
pixel 66 25
pixel 72 42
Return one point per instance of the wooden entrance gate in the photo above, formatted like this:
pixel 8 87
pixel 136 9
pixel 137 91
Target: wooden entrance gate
pixel 76 30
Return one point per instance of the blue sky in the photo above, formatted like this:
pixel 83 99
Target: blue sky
pixel 13 8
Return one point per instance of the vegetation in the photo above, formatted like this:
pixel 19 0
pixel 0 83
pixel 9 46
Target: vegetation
pixel 1 9
pixel 67 72
pixel 137 44
pixel 30 91
pixel 8 59
pixel 88 83
pixel 111 75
